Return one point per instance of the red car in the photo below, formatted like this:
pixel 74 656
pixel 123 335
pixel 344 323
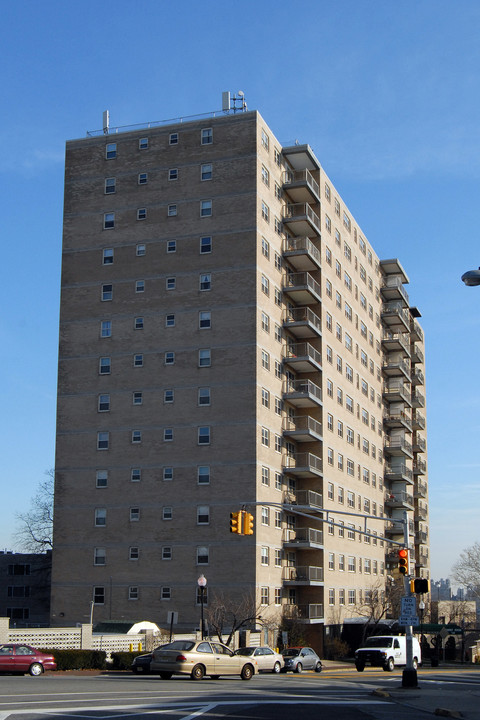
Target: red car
pixel 23 659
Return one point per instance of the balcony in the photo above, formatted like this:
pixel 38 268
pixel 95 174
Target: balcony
pixel 396 342
pixel 421 537
pixel 394 527
pixel 421 512
pixel 395 316
pixel 418 400
pixel 303 465
pixel 417 354
pixel 300 219
pixel 302 322
pixel 419 443
pixel 421 489
pixel 308 499
pixel 302 393
pixel 398 472
pixel 303 538
pixel 397 368
pixel 302 288
pixel 302 357
pixel 399 499
pixel 393 289
pixel 397 447
pixel 301 253
pixel 303 613
pixel 301 186
pixel 397 420
pixel 302 428
pixel 303 575
pixel 416 332
pixel 397 391
pixel 422 558
pixel 419 467
pixel 418 421
pixel 417 378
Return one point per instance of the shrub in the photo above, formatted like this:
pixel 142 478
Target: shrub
pixel 79 659
pixel 123 660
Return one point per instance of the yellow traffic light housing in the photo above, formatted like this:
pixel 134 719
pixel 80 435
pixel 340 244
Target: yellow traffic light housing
pixel 236 522
pixel 403 561
pixel 419 586
pixel 248 524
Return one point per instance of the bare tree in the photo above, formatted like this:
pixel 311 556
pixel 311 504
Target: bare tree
pixel 35 525
pixel 378 603
pixel 227 613
pixel 466 571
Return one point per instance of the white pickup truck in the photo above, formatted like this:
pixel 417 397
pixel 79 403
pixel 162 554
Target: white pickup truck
pixel 386 651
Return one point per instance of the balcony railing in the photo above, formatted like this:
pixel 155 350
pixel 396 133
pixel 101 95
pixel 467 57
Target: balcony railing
pixel 398 472
pixel 397 367
pixel 302 393
pixel 303 357
pixel 400 419
pixel 309 498
pixel 419 443
pixel 393 287
pixel 301 219
pixel 302 428
pixel 302 288
pixel 399 499
pixel 302 322
pixel 421 489
pixel 303 536
pixel 417 378
pixel 395 315
pixel 421 537
pixel 422 512
pixel 303 612
pixel 301 185
pixel 303 464
pixel 418 421
pixel 397 391
pixel 416 332
pixel 417 354
pixel 393 342
pixel 303 575
pixel 418 400
pixel 397 446
pixel 419 467
pixel 302 253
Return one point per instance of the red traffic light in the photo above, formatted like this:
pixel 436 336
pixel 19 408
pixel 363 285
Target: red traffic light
pixel 403 561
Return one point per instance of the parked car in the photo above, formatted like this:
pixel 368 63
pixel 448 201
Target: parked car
pixel 298 659
pixel 141 663
pixel 24 658
pixel 185 657
pixel 265 659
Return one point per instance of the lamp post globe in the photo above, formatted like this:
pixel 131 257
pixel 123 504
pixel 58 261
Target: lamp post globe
pixel 202 582
pixel 471 277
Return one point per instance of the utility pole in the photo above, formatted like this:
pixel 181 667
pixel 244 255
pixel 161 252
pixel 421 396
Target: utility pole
pixel 409 676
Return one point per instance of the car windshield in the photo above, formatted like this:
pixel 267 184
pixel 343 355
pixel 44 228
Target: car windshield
pixel 244 651
pixel 184 645
pixel 291 652
pixel 379 642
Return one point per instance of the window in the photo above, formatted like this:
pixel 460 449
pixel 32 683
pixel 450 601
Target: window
pixel 136 436
pixel 205 244
pixel 169 358
pixel 100 517
pixel 108 220
pixel 167 512
pixel 168 434
pixel 173 174
pixel 202 555
pixel 278 405
pixel 142 178
pixel 111 151
pixel 103 403
pixel 330 422
pixel 265 176
pixel 141 250
pixel 206 208
pixel 203 475
pixel 328 224
pixel 265 212
pixel 203 515
pixel 265 360
pixel 143 144
pixel 328 288
pixel 168 474
pixel 204 435
pixel 140 286
pixel 330 456
pixel 110 185
pixel 138 325
pixel 134 553
pixel 205 281
pixel 171 246
pixel 265 436
pixel 265 322
pixel 104 366
pixel 204 396
pixel 166 552
pixel 206 171
pixel 165 593
pixel 331 561
pixel 204 358
pixel 340 396
pixel 278 518
pixel 349 403
pixel 106 328
pixel 135 475
pixel 170 320
pixel 173 139
pixel 206 136
pixel 101 478
pixel 107 256
pixel 168 396
pixel 133 592
pixel 138 360
pixel 350 436
pixel 170 283
pixel 265 285
pixel 99 556
pixel 265 248
pixel 204 319
pixel 265 476
pixel 265 398
pixel 172 210
pixel 103 439
pixel 142 214
pixel 107 292
pixel 265 140
pixel 265 516
pixel 265 556
pixel 134 514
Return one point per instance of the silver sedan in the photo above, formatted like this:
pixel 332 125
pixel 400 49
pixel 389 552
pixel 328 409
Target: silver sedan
pixel 264 658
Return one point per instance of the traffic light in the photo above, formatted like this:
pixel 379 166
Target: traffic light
pixel 403 561
pixel 236 522
pixel 420 586
pixel 248 523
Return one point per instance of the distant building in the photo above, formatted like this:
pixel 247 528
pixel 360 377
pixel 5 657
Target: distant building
pixel 25 584
pixel 441 589
pixel 229 338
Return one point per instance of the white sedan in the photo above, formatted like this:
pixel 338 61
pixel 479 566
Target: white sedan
pixel 265 659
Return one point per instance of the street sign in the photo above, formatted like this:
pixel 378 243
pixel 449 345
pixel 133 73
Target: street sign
pixel 409 605
pixel 408 620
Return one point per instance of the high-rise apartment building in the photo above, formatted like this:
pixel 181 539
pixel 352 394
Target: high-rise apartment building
pixel 229 339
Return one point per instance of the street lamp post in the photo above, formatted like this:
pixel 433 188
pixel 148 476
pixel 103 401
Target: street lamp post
pixel 421 607
pixel 471 277
pixel 202 582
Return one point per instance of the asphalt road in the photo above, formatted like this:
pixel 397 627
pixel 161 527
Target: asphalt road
pixel 336 695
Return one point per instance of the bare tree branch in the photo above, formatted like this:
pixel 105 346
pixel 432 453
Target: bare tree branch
pixel 466 571
pixel 35 525
pixel 226 613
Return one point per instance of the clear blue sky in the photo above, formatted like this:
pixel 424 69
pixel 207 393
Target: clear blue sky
pixel 388 96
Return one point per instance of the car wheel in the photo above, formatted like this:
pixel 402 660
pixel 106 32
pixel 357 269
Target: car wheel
pixel 247 672
pixel 36 669
pixel 360 667
pixel 390 665
pixel 277 667
pixel 166 675
pixel 198 672
pixel 318 667
pixel 299 668
pixel 214 677
pixel 415 663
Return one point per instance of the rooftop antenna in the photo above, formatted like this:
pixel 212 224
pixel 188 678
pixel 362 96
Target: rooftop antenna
pixel 236 103
pixel 106 122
